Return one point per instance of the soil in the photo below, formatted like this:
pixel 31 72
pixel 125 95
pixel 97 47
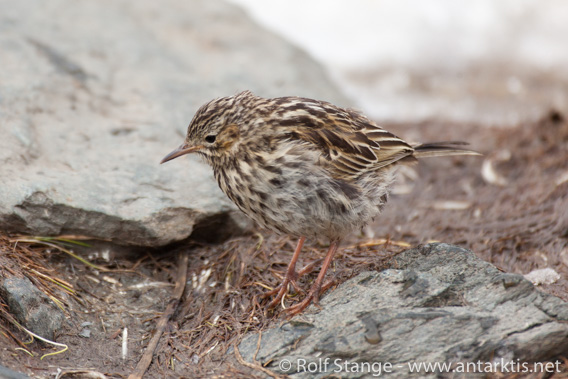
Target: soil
pixel 509 206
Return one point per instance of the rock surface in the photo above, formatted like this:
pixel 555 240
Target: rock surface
pixel 6 373
pixel 94 94
pixel 440 304
pixel 31 307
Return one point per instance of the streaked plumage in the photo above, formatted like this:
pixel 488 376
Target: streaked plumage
pixel 300 166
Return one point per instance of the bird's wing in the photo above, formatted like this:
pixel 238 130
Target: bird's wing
pixel 349 142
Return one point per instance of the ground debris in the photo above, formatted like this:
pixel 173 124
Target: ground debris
pixel 519 227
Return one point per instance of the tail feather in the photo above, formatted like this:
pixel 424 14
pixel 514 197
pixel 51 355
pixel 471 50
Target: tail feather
pixel 440 149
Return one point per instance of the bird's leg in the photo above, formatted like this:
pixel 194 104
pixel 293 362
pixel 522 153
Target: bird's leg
pixel 290 278
pixel 313 295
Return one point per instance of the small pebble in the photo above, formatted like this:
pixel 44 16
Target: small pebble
pixel 542 276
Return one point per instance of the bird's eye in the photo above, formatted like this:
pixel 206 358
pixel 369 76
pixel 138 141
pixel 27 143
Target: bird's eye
pixel 210 138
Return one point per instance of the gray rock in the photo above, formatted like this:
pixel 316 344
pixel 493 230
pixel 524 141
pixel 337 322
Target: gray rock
pixel 440 303
pixel 31 307
pixel 94 94
pixel 6 373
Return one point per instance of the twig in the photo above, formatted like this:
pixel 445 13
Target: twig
pixel 257 345
pixel 255 365
pixel 379 242
pixel 124 343
pixel 181 278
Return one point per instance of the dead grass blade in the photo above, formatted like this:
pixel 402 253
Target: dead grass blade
pixel 33 335
pixel 255 365
pixel 47 241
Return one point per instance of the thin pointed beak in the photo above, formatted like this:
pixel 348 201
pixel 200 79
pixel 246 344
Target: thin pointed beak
pixel 181 150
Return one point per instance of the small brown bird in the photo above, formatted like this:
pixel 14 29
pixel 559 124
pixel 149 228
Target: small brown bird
pixel 301 167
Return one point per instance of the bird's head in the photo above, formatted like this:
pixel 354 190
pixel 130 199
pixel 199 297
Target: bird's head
pixel 212 131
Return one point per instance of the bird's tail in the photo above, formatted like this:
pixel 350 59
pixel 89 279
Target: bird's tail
pixel 440 149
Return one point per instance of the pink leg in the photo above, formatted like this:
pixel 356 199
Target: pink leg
pixel 313 295
pixel 290 278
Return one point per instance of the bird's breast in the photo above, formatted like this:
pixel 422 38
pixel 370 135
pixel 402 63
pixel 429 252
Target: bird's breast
pixel 293 194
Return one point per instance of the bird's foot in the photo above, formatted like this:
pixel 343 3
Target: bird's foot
pixel 291 278
pixel 311 298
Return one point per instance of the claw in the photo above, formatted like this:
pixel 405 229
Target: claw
pixel 312 298
pixel 281 290
pixel 292 276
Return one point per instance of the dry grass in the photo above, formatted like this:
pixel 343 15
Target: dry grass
pixel 222 300
pixel 28 259
pixel 225 300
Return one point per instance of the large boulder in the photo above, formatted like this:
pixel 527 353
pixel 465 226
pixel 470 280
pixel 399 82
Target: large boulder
pixel 94 94
pixel 439 303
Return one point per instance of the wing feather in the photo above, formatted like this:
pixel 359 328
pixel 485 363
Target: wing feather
pixel 350 143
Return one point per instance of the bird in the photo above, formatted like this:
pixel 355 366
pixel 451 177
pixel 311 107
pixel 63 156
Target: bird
pixel 302 167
